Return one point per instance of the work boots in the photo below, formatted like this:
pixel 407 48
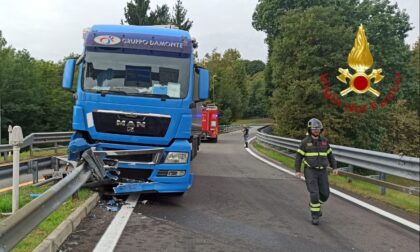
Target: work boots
pixel 315 218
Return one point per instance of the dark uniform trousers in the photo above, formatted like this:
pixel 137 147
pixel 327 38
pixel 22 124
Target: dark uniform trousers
pixel 318 187
pixel 316 155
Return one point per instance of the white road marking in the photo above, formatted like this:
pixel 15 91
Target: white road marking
pixel 112 234
pixel 374 209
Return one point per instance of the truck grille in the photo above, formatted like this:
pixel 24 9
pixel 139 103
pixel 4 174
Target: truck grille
pixel 131 123
pixel 137 174
pixel 150 156
pixel 145 158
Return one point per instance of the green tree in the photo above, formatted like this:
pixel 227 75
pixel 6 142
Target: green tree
pixel 179 17
pixel 253 66
pixel 31 94
pixel 402 131
pixel 228 73
pixel 3 41
pixel 160 16
pixel 136 12
pixel 307 39
pixel 412 90
pixel 258 102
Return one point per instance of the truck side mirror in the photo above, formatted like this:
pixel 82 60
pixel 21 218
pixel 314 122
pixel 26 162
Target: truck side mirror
pixel 204 84
pixel 68 74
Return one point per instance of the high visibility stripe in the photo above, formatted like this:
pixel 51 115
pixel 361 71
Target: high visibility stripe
pixel 315 154
pixel 304 161
pixel 301 152
pixel 315 205
pixel 315 209
pixel 329 151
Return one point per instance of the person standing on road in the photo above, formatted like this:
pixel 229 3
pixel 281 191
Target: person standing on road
pixel 245 130
pixel 316 154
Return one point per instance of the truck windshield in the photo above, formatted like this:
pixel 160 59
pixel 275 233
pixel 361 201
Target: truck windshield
pixel 136 75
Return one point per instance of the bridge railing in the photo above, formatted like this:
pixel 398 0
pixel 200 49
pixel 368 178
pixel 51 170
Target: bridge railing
pixel 384 163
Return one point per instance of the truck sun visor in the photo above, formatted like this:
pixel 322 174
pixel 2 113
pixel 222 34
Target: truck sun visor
pixel 139 41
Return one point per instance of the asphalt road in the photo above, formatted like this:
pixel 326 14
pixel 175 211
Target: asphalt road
pixel 238 203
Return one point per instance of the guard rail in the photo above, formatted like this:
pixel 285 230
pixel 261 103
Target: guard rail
pixel 229 128
pixel 39 138
pixel 15 227
pixel 386 163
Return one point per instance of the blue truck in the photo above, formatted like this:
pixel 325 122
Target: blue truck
pixel 138 105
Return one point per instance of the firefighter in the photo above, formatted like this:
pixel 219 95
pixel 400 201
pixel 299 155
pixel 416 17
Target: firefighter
pixel 245 130
pixel 316 154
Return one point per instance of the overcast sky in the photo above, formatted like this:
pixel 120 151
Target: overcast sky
pixel 52 29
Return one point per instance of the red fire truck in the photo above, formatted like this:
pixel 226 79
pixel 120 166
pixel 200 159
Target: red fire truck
pixel 210 122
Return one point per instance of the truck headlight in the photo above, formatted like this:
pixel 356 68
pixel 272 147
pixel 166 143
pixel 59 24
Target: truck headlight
pixel 176 158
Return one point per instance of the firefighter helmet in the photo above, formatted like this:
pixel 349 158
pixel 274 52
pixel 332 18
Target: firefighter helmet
pixel 314 123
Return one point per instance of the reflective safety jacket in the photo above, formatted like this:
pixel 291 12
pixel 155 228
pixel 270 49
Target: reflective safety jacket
pixel 315 153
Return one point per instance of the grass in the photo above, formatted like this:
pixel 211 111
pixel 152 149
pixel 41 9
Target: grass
pixel 406 202
pixel 253 121
pixel 25 155
pixel 402 181
pixel 24 197
pixel 50 223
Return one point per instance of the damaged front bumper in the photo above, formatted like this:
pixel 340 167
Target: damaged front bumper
pixel 160 187
pixel 114 166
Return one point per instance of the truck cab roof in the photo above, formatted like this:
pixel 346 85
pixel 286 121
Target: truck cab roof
pixel 155 30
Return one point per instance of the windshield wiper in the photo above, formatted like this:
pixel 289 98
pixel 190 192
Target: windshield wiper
pixel 162 96
pixel 105 92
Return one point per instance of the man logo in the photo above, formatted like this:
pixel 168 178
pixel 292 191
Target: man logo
pixel 131 125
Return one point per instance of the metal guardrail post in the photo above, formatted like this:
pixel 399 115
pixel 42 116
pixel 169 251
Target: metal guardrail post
pixel 56 163
pixel 31 150
pixel 350 169
pixel 10 140
pixel 382 176
pixel 34 167
pixel 55 147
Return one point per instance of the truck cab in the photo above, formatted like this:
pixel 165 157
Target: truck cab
pixel 138 94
